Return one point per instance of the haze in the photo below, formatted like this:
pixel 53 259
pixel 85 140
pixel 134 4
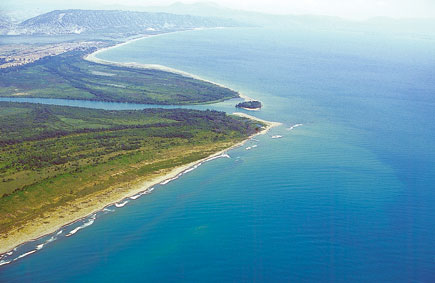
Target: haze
pixel 355 9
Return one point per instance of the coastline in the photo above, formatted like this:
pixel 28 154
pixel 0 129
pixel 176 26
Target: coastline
pixel 92 58
pixel 85 207
pixel 100 200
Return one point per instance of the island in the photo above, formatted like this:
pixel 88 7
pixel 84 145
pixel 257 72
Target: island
pixel 250 105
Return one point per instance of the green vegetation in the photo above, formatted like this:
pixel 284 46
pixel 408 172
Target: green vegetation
pixel 68 76
pixel 51 155
pixel 249 104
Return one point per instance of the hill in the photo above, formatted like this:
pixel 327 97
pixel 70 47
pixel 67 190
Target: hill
pixel 113 22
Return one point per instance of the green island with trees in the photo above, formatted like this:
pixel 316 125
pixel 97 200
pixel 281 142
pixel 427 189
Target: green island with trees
pixel 249 104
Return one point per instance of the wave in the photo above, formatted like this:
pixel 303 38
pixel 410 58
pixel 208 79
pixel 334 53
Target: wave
pixel 147 191
pixel 52 239
pixel 223 155
pixel 171 179
pixel 121 204
pixel 165 182
pixel 276 137
pixel 192 168
pixel 3 262
pixel 294 126
pixel 251 147
pixel 37 248
pixel 135 196
pixel 86 224
pixel 25 254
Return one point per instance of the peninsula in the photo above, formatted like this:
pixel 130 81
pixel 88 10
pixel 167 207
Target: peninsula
pixel 72 77
pixel 60 163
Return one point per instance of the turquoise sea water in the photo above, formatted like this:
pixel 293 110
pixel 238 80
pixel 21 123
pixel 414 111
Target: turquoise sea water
pixel 347 196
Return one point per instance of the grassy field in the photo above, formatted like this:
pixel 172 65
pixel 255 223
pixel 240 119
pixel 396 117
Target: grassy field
pixel 50 155
pixel 68 76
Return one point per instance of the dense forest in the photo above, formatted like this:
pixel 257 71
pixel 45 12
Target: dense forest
pixel 44 149
pixel 249 104
pixel 69 76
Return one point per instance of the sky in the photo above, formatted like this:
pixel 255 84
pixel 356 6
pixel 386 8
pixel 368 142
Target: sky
pixel 356 9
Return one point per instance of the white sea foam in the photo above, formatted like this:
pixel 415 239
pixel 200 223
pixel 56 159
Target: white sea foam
pixel 58 233
pixel 276 137
pixel 3 262
pixel 86 224
pixel 190 169
pixel 294 126
pixel 165 182
pixel 223 155
pixel 9 253
pixel 38 247
pixel 25 254
pixel 121 204
pixel 147 191
pixel 51 239
pixel 169 180
pixel 135 196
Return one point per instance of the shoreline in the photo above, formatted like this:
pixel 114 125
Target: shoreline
pixel 92 58
pixel 26 234
pixel 22 236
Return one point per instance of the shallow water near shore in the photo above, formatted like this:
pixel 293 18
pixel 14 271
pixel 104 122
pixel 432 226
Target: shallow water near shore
pixel 347 196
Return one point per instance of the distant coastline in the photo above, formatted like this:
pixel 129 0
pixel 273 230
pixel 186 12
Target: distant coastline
pixel 92 58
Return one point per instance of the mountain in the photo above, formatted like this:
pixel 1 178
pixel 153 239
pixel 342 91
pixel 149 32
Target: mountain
pixel 113 22
pixel 5 23
pixel 420 27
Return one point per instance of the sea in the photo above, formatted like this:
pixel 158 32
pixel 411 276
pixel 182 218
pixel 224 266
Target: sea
pixel 343 191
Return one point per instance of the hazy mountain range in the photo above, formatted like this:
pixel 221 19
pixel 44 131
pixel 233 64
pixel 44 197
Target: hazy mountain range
pixel 420 26
pixel 110 22
pixel 204 14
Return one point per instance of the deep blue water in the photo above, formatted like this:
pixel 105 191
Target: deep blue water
pixel 348 196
